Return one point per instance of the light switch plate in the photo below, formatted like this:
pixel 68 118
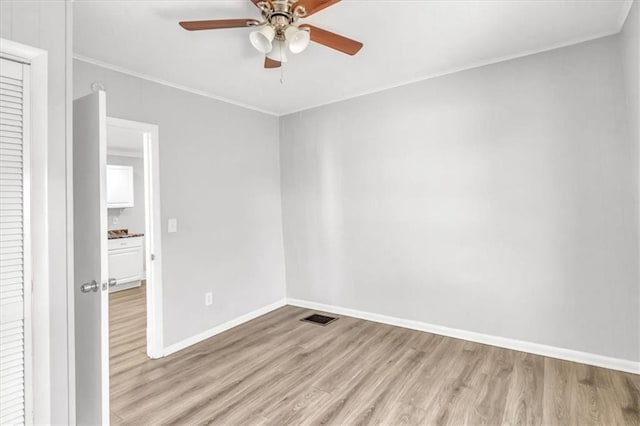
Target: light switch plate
pixel 115 220
pixel 208 299
pixel 172 225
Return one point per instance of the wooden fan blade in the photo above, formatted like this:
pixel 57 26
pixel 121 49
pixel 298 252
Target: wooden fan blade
pixel 313 6
pixel 333 40
pixel 218 24
pixel 270 63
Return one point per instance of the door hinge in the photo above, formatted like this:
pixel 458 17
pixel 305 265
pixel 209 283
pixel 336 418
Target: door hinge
pixel 153 256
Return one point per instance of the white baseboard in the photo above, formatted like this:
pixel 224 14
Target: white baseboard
pixel 222 328
pixel 518 345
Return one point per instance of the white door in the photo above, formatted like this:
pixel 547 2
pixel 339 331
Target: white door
pixel 15 280
pixel 90 259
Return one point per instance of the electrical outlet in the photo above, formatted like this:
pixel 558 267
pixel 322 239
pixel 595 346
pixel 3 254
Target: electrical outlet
pixel 208 299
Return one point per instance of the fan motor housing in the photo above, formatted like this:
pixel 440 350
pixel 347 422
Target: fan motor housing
pixel 280 20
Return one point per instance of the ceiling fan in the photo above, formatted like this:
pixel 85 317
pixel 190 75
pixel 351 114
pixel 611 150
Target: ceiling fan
pixel 279 30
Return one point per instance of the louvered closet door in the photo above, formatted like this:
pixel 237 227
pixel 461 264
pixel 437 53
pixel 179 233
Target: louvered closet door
pixel 14 298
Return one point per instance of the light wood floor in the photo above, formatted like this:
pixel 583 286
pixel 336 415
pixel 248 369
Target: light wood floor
pixel 278 370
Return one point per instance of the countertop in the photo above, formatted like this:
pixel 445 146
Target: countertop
pixel 122 233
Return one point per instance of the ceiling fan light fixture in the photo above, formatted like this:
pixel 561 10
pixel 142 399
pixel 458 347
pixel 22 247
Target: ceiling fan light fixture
pixel 298 39
pixel 279 51
pixel 262 39
pixel 278 31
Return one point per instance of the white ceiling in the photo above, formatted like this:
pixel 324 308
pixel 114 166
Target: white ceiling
pixel 404 41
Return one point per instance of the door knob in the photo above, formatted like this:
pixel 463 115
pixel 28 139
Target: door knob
pixel 89 287
pixel 112 282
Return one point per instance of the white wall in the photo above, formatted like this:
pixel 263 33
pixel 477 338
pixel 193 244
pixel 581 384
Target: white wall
pixel 131 218
pixel 500 200
pixel 219 176
pixel 631 66
pixel 43 24
pixel 630 43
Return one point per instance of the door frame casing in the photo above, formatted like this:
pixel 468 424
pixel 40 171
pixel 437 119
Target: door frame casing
pixel 153 231
pixel 36 231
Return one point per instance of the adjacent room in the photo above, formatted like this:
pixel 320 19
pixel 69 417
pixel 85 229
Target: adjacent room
pixel 330 212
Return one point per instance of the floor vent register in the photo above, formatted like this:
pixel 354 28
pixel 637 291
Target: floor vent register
pixel 319 319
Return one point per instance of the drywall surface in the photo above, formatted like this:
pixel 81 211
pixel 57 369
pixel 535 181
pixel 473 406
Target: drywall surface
pixel 131 218
pixel 630 42
pixel 631 65
pixel 499 200
pixel 45 25
pixel 219 177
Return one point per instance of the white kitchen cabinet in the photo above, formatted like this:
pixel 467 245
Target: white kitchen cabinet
pixel 119 187
pixel 126 262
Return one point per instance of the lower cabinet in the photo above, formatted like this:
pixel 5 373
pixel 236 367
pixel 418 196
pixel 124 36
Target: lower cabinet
pixel 126 262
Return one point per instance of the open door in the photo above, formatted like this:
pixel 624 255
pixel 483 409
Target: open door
pixel 90 259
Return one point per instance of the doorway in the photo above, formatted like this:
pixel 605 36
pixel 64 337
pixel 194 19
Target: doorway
pixel 133 221
pixel 107 266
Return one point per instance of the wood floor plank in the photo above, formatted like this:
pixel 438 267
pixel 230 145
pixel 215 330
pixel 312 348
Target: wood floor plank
pixel 499 371
pixel 560 388
pixel 626 389
pixel 277 370
pixel 354 397
pixel 305 369
pixel 523 404
pixel 384 394
pixel 589 398
pixel 464 385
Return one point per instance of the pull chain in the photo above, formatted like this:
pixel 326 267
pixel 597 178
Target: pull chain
pixel 281 66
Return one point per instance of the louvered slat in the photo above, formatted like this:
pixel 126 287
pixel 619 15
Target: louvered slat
pixel 6 85
pixel 16 267
pixel 10 140
pixel 10 79
pixel 12 263
pixel 9 295
pixel 10 360
pixel 4 238
pixel 12 332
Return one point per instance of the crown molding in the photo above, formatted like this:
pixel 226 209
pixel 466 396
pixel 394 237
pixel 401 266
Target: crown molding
pixel 377 89
pixel 624 14
pixel 156 80
pixel 454 70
